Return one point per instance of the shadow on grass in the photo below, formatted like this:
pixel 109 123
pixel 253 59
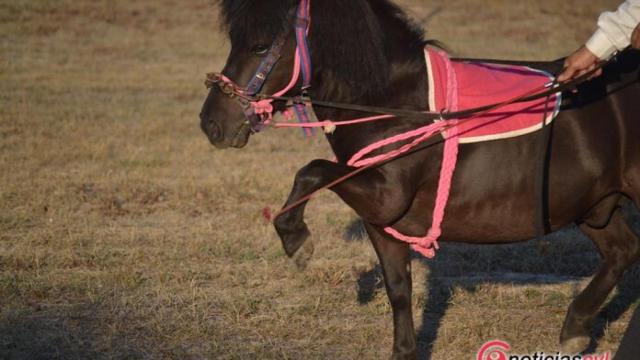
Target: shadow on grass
pixel 561 257
pixel 43 334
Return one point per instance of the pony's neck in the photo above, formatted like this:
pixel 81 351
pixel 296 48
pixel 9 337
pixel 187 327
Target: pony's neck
pixel 406 87
pixel 397 76
pixel 363 52
pixel 366 52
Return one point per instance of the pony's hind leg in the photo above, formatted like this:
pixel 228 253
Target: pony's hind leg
pixel 619 247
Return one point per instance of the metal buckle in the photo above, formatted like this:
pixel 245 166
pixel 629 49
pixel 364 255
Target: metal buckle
pixel 211 79
pixel 227 89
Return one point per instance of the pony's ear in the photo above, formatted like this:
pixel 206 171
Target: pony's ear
pixel 347 41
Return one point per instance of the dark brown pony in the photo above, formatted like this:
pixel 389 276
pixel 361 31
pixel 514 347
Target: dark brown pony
pixel 367 52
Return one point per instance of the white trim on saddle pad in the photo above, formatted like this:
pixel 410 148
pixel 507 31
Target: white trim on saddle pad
pixel 441 72
pixel 430 82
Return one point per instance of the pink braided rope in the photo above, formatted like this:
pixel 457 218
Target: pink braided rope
pixel 420 135
pixel 427 244
pixel 326 123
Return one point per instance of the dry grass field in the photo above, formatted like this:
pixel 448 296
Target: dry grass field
pixel 124 234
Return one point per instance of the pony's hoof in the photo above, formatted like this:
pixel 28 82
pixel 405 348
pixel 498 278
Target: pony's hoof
pixel 575 345
pixel 303 255
pixel 409 356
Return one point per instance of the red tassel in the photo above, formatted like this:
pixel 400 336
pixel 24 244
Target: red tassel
pixel 267 214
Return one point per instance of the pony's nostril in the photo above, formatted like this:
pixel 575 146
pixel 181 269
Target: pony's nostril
pixel 214 130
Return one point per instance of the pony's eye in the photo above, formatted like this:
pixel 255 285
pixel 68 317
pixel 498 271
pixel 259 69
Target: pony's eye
pixel 260 49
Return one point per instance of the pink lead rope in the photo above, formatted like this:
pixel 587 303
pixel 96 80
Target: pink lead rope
pixel 427 244
pixel 424 245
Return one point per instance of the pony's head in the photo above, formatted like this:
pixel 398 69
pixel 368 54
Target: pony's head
pixel 348 49
pixel 252 28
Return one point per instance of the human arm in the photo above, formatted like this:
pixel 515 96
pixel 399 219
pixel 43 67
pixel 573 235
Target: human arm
pixel 635 38
pixel 615 32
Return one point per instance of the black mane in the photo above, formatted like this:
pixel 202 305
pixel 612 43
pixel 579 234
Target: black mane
pixel 353 41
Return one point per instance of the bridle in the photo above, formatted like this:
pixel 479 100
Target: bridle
pixel 257 109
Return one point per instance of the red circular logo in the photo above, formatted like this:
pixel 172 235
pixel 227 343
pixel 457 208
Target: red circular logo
pixel 494 350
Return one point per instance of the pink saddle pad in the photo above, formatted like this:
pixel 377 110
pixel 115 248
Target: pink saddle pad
pixel 460 85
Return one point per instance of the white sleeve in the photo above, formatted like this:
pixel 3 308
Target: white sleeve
pixel 615 29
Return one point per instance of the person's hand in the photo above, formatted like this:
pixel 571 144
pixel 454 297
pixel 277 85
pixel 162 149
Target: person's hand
pixel 579 63
pixel 635 37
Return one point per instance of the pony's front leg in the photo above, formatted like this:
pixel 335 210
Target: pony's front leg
pixel 370 194
pixel 290 225
pixel 395 260
pixel 379 199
